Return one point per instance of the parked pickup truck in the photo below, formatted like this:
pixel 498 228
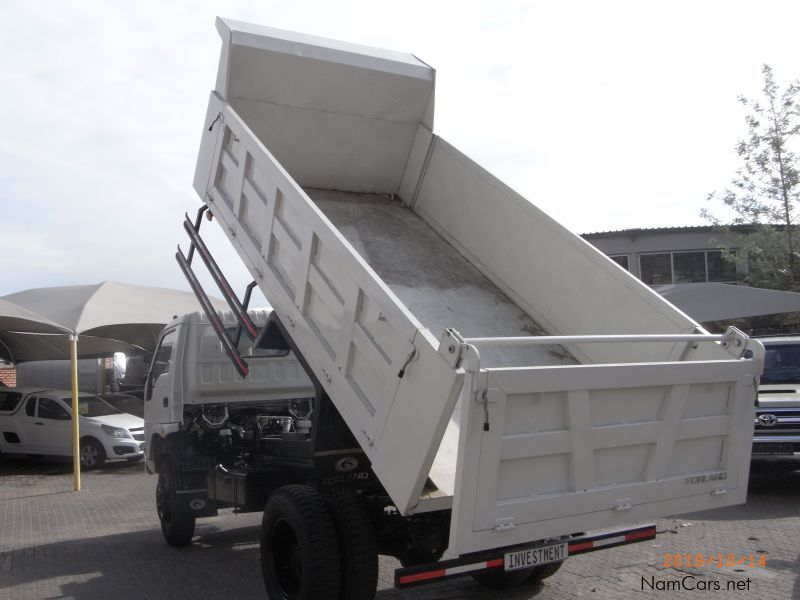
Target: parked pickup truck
pixel 485 383
pixel 37 421
pixel 777 427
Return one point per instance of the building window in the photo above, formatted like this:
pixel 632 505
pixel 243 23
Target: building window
pixel 686 267
pixel 719 269
pixel 621 260
pixel 656 269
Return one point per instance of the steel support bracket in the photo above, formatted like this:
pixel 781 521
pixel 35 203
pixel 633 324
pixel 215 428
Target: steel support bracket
pixel 451 345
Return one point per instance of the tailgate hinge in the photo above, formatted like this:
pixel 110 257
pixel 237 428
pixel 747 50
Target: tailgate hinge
pixel 735 342
pixel 451 344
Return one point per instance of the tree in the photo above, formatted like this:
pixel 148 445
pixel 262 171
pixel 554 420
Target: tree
pixel 764 196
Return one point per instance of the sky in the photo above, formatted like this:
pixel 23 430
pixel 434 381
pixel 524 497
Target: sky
pixel 607 115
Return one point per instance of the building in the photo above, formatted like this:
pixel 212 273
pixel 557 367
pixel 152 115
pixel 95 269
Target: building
pixel 672 255
pixel 669 257
pixel 8 374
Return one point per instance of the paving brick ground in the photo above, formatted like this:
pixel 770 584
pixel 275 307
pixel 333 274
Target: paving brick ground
pixel 104 543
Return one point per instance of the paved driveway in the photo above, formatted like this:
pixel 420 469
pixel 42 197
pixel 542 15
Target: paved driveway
pixel 105 543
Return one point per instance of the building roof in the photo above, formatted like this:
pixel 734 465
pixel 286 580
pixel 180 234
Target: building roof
pixel 669 230
pixel 650 231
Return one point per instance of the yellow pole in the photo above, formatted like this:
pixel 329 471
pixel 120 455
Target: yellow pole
pixel 76 433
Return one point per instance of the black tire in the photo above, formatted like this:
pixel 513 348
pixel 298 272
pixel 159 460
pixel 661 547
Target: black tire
pixel 543 572
pixel 177 521
pixel 501 580
pixel 358 546
pixel 412 557
pixel 299 547
pixel 92 454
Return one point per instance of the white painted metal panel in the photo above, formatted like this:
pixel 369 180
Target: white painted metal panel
pixel 577 448
pixel 561 281
pixel 209 375
pixel 353 331
pixel 335 115
pixel 370 155
pixel 439 286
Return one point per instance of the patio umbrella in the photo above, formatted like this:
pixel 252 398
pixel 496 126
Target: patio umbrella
pixel 108 316
pixel 15 318
pixel 706 302
pixel 20 346
pixel 134 314
pixel 16 321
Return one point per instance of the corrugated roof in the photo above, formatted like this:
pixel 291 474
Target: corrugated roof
pixel 651 230
pixel 666 230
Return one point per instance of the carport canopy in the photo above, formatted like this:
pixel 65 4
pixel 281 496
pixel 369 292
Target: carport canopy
pixel 707 302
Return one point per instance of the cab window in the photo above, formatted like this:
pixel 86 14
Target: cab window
pixel 9 401
pixel 51 409
pixel 162 360
pixel 781 363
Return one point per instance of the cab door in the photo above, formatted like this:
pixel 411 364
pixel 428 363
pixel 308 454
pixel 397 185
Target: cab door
pixel 46 427
pixel 158 403
pixel 32 430
pixel 54 426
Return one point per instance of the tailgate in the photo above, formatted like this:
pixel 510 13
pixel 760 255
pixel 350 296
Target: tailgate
pixel 578 448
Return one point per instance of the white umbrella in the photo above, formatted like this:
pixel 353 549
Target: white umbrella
pixel 19 345
pixel 14 318
pixel 707 302
pixel 17 318
pixel 108 316
pixel 129 313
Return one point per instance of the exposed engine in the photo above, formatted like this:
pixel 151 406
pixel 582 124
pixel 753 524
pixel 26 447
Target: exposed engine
pixel 231 432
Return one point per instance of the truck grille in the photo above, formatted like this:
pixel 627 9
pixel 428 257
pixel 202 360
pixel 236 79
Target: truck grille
pixel 777 420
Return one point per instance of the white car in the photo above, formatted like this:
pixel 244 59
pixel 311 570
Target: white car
pixel 36 421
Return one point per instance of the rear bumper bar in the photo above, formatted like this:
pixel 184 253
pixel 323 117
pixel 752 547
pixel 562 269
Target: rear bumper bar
pixel 494 560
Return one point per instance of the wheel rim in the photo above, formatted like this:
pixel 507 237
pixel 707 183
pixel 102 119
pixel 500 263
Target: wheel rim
pixel 286 560
pixel 89 455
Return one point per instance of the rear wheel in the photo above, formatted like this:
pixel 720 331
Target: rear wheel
pixel 501 580
pixel 543 572
pixel 177 521
pixel 299 547
pixel 92 454
pixel 358 547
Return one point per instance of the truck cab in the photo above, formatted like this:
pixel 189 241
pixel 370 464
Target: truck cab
pixel 191 375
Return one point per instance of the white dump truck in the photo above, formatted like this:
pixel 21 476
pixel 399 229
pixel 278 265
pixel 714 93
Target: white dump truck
pixel 480 381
